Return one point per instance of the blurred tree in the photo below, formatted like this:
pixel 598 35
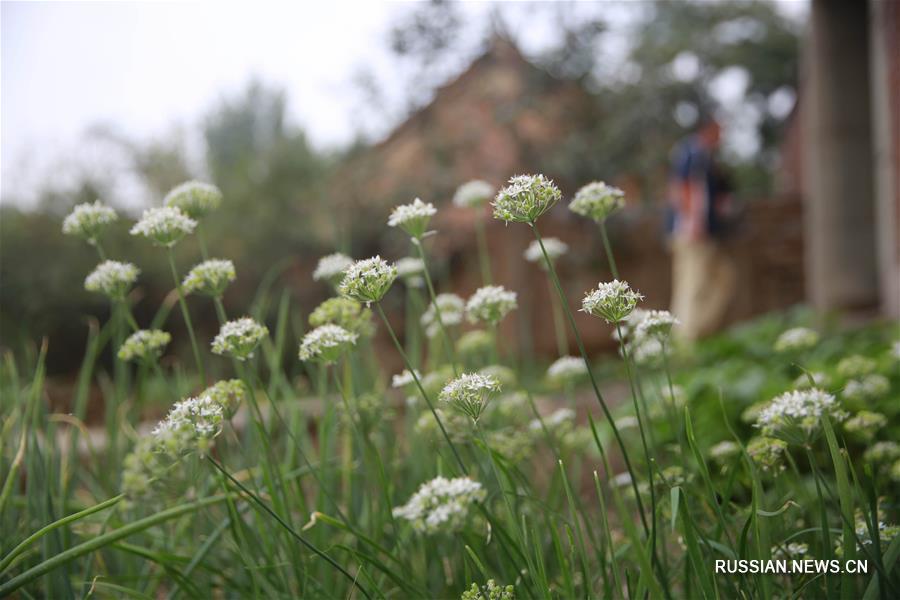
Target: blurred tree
pixel 684 57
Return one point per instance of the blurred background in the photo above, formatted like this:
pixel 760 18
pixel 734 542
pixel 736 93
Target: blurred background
pixel 316 119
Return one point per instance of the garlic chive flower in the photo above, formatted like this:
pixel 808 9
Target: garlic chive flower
pixel 793 550
pixel 855 366
pixel 611 301
pixel 228 393
pixel 819 380
pixel 473 194
pixel 190 426
pixel 493 592
pixel 411 270
pixel 796 416
pixel 489 304
pixel 555 249
pixel 475 343
pixel 349 314
pixel 567 370
pixel 796 339
pixel 724 450
pixel 656 324
pixel 88 221
pixel 326 344
pixel 469 393
pixel 525 198
pixel 112 278
pixel 145 344
pixel 870 387
pixel 597 201
pixel 559 421
pixel 210 278
pixel 441 505
pixel 405 378
pixel 368 280
pixel 882 452
pixel 865 424
pixel 503 375
pixel 451 307
pixel 194 198
pixel 767 453
pixel 164 226
pixel 331 268
pixel 239 338
pixel 413 218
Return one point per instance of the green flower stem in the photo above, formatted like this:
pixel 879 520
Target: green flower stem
pixel 415 377
pixel 509 507
pixel 608 248
pixel 371 450
pixel 823 509
pixel 484 257
pixel 256 499
pixel 9 558
pixel 559 324
pixel 100 541
pixel 448 343
pixel 187 316
pixel 201 240
pixel 629 371
pixel 606 413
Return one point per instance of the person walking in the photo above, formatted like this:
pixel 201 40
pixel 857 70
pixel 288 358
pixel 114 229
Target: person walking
pixel 703 274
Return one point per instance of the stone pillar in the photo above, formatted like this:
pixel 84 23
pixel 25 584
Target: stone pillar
pixel 884 24
pixel 839 223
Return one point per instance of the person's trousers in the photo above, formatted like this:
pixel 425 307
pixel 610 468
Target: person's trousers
pixel 704 278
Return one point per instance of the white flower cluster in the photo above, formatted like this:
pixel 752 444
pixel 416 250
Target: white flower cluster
pixel 865 424
pixel 164 226
pixel 473 194
pixel 819 380
pixel 326 344
pixel 410 270
pixel 349 314
pixel 493 592
pixel 525 198
pixel 88 220
pixel 413 218
pixel 562 417
pixel 656 324
pixel 239 338
pixel 469 393
pixel 441 505
pixel 597 201
pixel 724 450
pixel 195 199
pixel 489 304
pixel 331 268
pixel 475 343
pixel 855 366
pixel 190 426
pixel 767 453
pixel 405 378
pixel 613 301
pixel 112 278
pixel 554 246
pixel 228 393
pixel 451 308
pixel 368 280
pixel 210 277
pixel 796 339
pixel 791 550
pixel 882 452
pixel 796 416
pixel 567 370
pixel 145 344
pixel 870 387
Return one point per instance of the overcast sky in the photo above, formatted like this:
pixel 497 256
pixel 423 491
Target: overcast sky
pixel 146 67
